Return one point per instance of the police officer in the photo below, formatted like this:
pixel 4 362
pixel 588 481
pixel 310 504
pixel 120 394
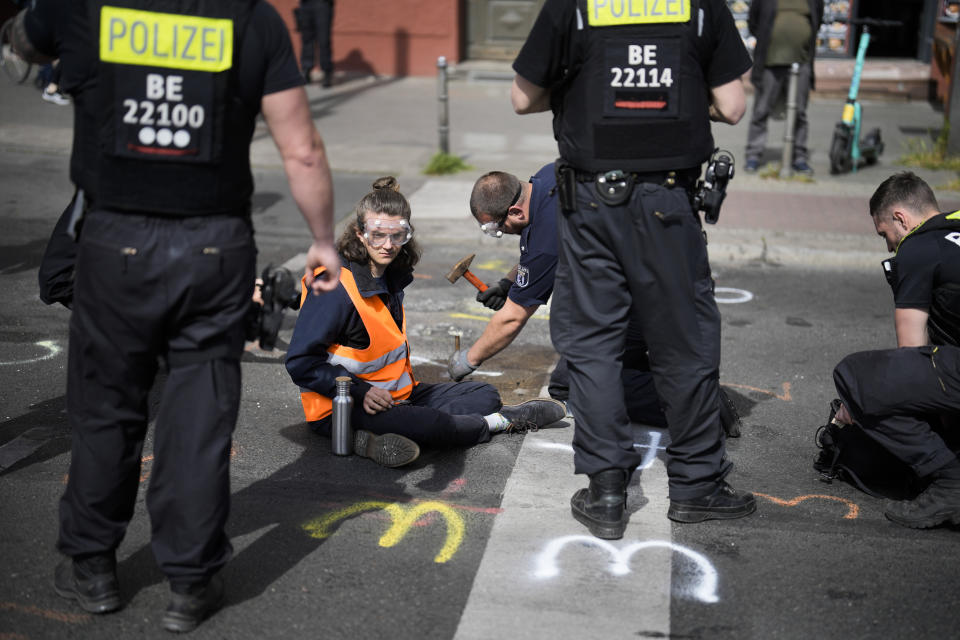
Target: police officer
pixel 502 204
pixel 166 95
pixel 633 87
pixel 899 396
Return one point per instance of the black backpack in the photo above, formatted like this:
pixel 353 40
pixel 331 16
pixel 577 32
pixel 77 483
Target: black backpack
pixel 849 454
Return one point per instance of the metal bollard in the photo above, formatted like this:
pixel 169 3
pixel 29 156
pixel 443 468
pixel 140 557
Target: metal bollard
pixel 443 128
pixel 786 165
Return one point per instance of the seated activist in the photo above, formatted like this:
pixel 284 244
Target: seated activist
pixel 359 330
pixel 502 204
pixel 901 397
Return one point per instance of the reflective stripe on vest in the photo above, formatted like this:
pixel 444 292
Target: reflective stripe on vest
pixel 384 364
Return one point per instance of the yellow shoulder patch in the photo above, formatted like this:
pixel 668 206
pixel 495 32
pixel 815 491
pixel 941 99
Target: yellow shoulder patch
pixel 131 36
pixel 615 13
pixel 954 216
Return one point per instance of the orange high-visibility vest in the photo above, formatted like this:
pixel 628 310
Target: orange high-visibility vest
pixel 384 364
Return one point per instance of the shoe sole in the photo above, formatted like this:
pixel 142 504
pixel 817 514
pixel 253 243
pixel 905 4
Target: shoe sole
pixel 694 515
pixel 925 523
pixel 388 450
pixel 600 528
pixel 106 604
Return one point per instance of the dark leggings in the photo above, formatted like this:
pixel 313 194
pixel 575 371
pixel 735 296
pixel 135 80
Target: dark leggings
pixel 443 415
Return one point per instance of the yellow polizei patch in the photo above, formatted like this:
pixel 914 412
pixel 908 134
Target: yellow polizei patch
pixel 131 36
pixel 615 13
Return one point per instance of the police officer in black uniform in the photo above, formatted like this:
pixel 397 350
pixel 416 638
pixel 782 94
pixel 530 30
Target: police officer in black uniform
pixel 896 395
pixel 166 93
pixel 633 86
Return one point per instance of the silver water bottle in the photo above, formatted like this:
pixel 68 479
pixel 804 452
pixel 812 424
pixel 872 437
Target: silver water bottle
pixel 341 434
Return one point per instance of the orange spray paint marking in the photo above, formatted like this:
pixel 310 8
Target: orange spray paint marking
pixel 423 276
pixel 853 510
pixel 70 618
pixel 785 396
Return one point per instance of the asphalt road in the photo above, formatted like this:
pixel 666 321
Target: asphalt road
pixel 474 544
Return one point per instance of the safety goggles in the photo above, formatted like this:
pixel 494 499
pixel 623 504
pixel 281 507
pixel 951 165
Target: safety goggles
pixel 378 231
pixel 494 229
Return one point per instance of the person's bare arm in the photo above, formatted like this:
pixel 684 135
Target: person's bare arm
pixel 504 326
pixel 728 102
pixel 911 327
pixel 527 97
pixel 21 44
pixel 287 114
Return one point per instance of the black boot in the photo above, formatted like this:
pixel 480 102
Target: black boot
pixel 938 504
pixel 192 604
pixel 723 503
pixel 91 581
pixel 602 507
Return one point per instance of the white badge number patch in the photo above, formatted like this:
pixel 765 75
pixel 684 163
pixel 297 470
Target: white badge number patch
pixel 523 276
pixel 643 77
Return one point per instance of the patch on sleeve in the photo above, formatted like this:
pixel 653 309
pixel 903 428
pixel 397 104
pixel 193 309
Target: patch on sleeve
pixel 523 276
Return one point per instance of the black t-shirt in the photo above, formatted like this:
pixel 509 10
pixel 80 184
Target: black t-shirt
pixel 543 58
pixel 924 261
pixel 61 28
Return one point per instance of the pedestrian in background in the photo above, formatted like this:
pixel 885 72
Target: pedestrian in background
pixel 786 32
pixel 315 21
pixel 165 271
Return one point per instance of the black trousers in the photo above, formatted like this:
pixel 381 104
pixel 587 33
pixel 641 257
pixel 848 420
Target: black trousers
pixel 441 415
pixel 895 394
pixel 151 289
pixel 642 262
pixel 639 393
pixel 316 21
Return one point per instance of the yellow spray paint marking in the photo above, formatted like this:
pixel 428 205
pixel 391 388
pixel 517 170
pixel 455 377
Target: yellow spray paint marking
pixel 402 517
pixel 493 265
pixel 853 510
pixel 785 396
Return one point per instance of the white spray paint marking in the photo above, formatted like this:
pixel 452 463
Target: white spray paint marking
pixel 704 587
pixel 478 372
pixel 732 296
pixel 652 447
pixel 52 350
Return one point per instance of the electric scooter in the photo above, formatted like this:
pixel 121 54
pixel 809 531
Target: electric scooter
pixel 848 151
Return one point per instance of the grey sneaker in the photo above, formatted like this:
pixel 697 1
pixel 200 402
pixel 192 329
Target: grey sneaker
pixel 56 98
pixel 388 450
pixel 938 504
pixel 533 414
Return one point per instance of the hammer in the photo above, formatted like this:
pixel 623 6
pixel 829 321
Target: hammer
pixel 462 268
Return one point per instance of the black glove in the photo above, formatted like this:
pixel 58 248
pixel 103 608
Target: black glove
pixel 495 296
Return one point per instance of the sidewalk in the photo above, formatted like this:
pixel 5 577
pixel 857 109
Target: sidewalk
pixel 389 126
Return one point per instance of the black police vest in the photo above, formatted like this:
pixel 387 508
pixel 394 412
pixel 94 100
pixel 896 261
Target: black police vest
pixel 943 324
pixel 174 134
pixel 636 99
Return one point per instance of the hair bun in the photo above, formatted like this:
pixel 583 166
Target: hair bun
pixel 386 182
